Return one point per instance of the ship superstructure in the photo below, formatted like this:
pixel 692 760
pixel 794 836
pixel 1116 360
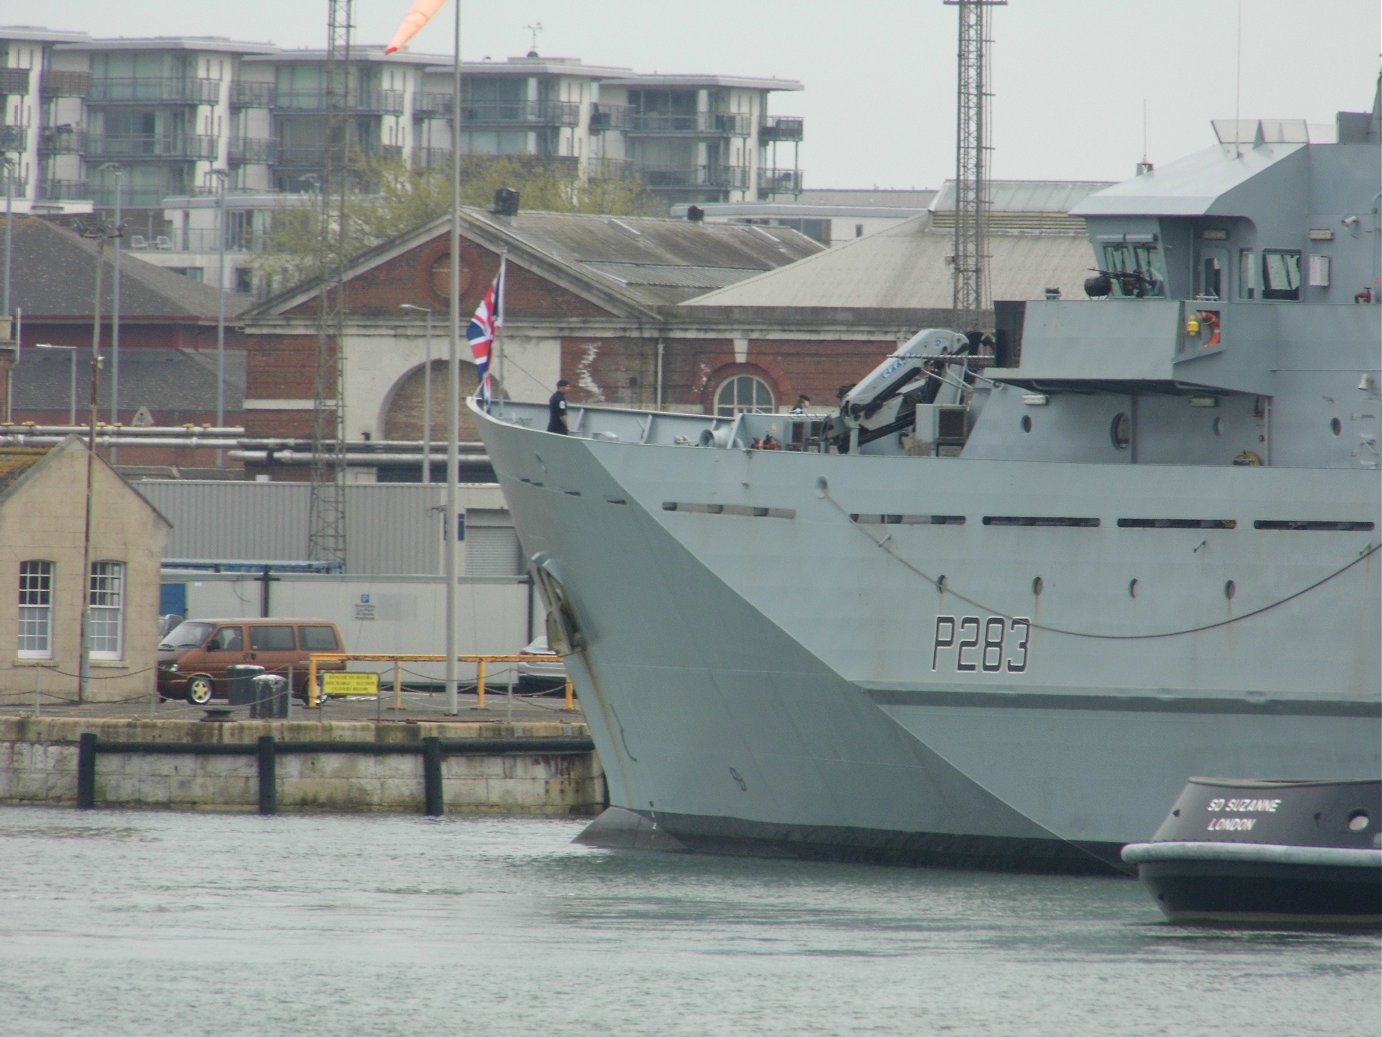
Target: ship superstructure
pixel 998 607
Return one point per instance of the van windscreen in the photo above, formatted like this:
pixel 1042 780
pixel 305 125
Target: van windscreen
pixel 187 634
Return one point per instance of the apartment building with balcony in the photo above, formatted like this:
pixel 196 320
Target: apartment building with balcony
pixel 43 93
pixel 163 126
pixel 158 115
pixel 696 139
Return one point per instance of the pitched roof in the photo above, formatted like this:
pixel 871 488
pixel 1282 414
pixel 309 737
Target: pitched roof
pixel 53 274
pixel 161 379
pixel 15 463
pixel 908 265
pixel 656 261
pixel 627 264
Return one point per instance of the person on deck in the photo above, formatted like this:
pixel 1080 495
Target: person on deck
pixel 556 408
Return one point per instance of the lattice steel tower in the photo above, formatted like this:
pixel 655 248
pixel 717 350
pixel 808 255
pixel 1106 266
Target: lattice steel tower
pixel 326 536
pixel 970 271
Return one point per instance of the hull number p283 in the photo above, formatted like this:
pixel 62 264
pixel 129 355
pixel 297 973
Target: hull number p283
pixel 981 644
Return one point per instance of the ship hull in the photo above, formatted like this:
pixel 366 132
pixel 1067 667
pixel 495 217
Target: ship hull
pixel 843 657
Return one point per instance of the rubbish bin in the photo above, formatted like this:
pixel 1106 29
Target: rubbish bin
pixel 271 697
pixel 240 691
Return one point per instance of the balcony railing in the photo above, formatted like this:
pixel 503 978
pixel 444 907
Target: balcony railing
pixel 60 140
pixel 168 145
pixel 154 89
pixel 312 155
pixel 63 190
pixel 611 169
pixel 697 124
pixel 132 196
pixel 520 113
pixel 722 178
pixel 609 117
pixel 14 80
pixel 429 103
pixel 252 149
pixel 12 137
pixel 66 84
pixel 200 242
pixel 389 102
pixel 781 127
pixel 251 95
pixel 779 181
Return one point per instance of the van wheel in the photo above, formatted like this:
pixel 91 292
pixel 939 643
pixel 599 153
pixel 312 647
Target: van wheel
pixel 200 690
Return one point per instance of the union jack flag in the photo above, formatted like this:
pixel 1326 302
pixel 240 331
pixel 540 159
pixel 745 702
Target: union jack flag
pixel 483 327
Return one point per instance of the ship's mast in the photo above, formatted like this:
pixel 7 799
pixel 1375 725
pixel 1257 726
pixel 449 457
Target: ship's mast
pixel 970 271
pixel 326 536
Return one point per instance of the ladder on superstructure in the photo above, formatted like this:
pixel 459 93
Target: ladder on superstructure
pixel 326 536
pixel 970 270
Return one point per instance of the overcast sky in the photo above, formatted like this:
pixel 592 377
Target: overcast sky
pixel 1081 88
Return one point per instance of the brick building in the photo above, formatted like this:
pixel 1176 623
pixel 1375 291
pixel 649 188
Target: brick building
pixel 639 312
pixel 166 364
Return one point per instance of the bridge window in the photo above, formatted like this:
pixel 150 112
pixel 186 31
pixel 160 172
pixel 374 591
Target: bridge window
pixel 1280 273
pixel 1136 269
pixel 1247 274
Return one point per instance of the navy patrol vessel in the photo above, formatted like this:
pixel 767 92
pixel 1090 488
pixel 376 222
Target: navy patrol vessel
pixel 999 608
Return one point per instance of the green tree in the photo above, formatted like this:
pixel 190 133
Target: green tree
pixel 388 198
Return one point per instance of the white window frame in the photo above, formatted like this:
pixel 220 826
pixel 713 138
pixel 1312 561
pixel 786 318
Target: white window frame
pixel 105 633
pixel 35 628
pixel 734 405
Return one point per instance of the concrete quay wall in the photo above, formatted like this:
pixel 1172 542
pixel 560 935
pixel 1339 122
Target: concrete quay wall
pixel 485 768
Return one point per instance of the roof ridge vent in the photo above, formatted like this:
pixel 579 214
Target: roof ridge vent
pixel 625 227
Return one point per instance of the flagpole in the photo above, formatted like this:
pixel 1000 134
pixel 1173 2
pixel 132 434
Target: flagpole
pixel 497 359
pixel 453 376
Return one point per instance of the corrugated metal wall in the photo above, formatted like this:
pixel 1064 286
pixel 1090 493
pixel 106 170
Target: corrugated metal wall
pixel 391 528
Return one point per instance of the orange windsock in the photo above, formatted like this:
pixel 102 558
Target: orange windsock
pixel 418 15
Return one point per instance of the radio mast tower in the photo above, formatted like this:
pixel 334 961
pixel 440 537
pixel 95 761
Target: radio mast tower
pixel 971 172
pixel 326 535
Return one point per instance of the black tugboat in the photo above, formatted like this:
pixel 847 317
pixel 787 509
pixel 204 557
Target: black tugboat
pixel 1275 852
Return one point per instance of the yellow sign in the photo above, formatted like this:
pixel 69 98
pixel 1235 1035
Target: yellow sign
pixel 343 684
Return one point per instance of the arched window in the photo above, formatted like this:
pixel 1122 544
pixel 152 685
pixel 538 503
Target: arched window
pixel 742 393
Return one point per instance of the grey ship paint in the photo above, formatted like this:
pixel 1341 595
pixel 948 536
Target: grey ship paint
pixel 997 615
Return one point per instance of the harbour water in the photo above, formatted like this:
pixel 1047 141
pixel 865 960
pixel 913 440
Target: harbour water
pixel 119 923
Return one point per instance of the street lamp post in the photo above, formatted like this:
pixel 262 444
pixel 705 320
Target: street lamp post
pixel 115 310
pixel 100 232
pixel 72 373
pixel 426 394
pixel 221 176
pixel 453 376
pixel 9 232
